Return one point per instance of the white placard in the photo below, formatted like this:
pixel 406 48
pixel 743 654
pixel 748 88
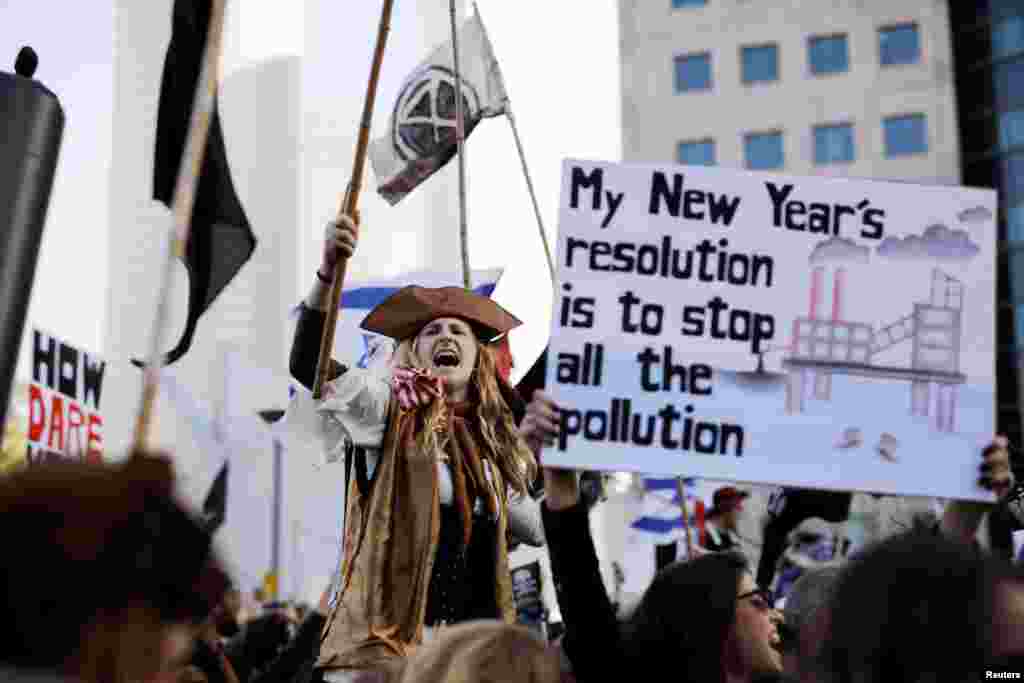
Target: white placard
pixel 805 331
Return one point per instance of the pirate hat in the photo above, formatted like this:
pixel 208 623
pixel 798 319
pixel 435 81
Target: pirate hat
pixel 403 314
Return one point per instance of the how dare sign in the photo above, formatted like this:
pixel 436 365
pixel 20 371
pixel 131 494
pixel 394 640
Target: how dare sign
pixel 816 332
pixel 64 419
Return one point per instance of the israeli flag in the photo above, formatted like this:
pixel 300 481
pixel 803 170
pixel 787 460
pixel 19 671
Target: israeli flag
pixel 660 513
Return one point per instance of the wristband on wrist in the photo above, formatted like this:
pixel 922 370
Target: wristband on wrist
pixel 320 276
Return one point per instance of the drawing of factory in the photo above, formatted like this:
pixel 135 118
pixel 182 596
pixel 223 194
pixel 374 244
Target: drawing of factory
pixel 824 343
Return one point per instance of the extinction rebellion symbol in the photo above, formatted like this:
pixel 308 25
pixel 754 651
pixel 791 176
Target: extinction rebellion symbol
pixel 424 119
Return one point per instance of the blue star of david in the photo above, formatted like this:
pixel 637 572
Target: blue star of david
pixel 364 360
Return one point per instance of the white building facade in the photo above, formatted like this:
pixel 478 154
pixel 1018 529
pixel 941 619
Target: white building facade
pixel 847 87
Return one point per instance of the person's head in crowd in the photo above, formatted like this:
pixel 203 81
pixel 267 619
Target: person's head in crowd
pixel 191 674
pixel 804 614
pixel 727 506
pixel 707 619
pixel 111 575
pixel 921 607
pixel 226 614
pixel 482 652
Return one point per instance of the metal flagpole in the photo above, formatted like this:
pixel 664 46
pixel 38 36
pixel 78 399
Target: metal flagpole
pixel 522 155
pixel 460 150
pixel 275 531
pixel 533 195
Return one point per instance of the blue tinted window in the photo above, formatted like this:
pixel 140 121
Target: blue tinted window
pixel 697 153
pixel 905 135
pixel 1015 224
pixel 677 4
pixel 899 45
pixel 693 72
pixel 1011 129
pixel 1008 37
pixel 833 144
pixel 1016 268
pixel 1018 316
pixel 763 151
pixel 828 55
pixel 760 64
pixel 1008 77
pixel 1012 191
pixel 1004 8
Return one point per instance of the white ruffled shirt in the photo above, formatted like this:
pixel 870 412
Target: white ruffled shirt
pixel 356 408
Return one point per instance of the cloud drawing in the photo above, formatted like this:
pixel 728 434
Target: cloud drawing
pixel 937 243
pixel 839 250
pixel 975 214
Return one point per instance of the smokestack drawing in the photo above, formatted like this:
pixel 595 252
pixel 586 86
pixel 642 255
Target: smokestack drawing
pixel 817 280
pixel 838 283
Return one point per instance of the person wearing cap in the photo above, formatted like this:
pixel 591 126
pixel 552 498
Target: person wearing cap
pixel 723 519
pixel 438 463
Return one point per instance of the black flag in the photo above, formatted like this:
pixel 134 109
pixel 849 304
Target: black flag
pixel 216 504
pixel 220 240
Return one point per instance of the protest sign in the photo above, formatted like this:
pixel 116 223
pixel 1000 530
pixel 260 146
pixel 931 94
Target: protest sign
pixel 57 414
pixel 816 332
pixel 526 594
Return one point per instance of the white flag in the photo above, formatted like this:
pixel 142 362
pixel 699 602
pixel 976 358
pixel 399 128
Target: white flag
pixel 421 138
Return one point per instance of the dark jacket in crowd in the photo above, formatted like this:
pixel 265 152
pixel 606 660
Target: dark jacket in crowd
pixel 295 662
pixel 592 639
pixel 258 644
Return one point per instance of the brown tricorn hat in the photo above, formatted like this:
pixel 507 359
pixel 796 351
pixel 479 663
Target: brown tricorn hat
pixel 403 314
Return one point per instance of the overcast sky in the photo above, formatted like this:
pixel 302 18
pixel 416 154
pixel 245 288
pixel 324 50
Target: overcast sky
pixel 75 61
pixel 560 62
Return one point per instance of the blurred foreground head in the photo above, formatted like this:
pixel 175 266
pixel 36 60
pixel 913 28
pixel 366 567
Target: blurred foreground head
pixel 103 572
pixel 483 652
pixel 921 607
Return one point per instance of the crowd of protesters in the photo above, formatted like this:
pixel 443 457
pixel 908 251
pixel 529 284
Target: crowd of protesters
pixel 108 578
pixel 114 580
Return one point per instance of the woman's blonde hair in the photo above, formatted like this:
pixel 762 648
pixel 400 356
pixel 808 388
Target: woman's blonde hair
pixel 482 652
pixel 501 437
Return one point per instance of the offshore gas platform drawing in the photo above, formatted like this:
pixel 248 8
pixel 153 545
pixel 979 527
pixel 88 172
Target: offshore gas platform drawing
pixel 824 345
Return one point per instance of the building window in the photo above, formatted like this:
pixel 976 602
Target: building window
pixel 763 151
pixel 1015 266
pixel 1011 129
pixel 833 144
pixel 1015 224
pixel 697 153
pixel 1013 179
pixel 693 72
pixel 899 45
pixel 1018 316
pixel 905 135
pixel 680 4
pixel 760 63
pixel 1007 77
pixel 1008 37
pixel 828 55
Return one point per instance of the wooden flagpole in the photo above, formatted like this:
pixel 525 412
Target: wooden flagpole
pixel 460 136
pixel 681 488
pixel 189 170
pixel 522 157
pixel 350 203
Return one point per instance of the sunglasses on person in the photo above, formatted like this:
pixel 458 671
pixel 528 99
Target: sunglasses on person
pixel 761 598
